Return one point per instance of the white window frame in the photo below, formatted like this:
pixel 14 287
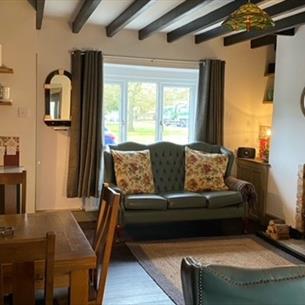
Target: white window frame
pixel 162 77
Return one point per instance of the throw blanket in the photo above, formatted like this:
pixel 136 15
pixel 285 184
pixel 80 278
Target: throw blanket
pixel 246 189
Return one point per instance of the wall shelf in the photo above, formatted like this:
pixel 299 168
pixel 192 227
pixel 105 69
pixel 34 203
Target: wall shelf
pixel 4 69
pixel 6 102
pixel 269 74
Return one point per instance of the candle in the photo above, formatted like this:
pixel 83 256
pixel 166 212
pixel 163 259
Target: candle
pixel 0 55
pixel 6 93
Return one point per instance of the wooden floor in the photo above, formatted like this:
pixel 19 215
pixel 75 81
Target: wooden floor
pixel 295 244
pixel 128 283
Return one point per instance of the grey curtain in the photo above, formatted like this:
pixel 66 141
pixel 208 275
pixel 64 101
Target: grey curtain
pixel 210 102
pixel 86 127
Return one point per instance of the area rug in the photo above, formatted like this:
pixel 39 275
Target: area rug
pixel 162 259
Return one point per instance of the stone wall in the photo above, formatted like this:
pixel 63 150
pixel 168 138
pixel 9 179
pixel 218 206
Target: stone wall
pixel 300 208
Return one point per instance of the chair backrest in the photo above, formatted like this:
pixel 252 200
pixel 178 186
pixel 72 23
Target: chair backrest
pixel 104 236
pixel 227 285
pixel 22 254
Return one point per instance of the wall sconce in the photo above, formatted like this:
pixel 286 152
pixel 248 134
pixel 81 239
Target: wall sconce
pixel 264 142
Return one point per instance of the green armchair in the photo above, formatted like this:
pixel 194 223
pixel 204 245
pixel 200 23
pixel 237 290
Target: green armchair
pixel 224 285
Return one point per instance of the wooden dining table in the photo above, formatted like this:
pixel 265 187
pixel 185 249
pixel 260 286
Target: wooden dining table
pixel 74 256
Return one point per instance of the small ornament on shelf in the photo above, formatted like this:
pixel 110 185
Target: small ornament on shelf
pixel 4 93
pixel 270 93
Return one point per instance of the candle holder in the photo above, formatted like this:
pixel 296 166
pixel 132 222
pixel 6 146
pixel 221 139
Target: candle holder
pixel 264 142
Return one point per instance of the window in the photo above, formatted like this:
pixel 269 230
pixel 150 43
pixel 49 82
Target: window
pixel 148 104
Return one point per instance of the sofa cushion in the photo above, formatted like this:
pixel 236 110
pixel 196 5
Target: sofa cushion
pixel 222 199
pixel 145 202
pixel 185 200
pixel 133 171
pixel 204 172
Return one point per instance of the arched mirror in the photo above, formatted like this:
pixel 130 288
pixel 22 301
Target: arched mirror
pixel 58 98
pixel 303 101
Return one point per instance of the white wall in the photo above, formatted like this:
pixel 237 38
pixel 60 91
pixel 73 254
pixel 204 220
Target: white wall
pixel 244 90
pixel 288 130
pixel 19 52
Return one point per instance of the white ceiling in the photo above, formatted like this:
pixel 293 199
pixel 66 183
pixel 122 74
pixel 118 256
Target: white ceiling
pixel 108 10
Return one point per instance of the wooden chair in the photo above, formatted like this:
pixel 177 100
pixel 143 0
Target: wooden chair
pixel 102 244
pixel 21 255
pixel 103 241
pixel 10 182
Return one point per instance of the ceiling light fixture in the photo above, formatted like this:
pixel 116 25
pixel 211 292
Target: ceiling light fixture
pixel 248 17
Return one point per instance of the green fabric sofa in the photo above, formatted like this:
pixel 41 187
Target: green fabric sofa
pixel 225 285
pixel 171 203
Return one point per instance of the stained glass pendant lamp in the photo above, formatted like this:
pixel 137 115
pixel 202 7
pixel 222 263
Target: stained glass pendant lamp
pixel 248 17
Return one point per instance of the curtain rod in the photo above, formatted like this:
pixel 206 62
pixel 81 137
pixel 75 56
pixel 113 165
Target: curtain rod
pixel 150 59
pixel 155 59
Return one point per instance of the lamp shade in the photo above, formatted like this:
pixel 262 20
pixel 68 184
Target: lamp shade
pixel 248 17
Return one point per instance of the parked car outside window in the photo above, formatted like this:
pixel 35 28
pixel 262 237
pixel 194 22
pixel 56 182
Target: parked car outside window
pixel 109 138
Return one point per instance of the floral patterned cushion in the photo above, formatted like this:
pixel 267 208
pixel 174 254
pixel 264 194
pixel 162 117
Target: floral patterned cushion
pixel 204 172
pixel 133 171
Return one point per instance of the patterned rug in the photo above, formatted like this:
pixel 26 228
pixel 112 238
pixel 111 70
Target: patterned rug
pixel 162 259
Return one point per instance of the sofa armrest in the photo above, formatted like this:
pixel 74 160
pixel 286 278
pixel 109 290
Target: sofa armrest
pixel 190 278
pixel 246 189
pixel 227 285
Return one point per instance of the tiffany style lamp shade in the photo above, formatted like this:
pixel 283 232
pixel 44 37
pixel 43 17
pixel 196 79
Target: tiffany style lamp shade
pixel 248 17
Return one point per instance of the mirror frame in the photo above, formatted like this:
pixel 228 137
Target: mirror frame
pixel 47 98
pixel 303 101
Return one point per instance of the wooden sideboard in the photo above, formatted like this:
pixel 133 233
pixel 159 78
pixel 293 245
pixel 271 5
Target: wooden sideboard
pixel 11 179
pixel 256 172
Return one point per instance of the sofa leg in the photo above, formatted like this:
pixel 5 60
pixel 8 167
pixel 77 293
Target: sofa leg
pixel 245 225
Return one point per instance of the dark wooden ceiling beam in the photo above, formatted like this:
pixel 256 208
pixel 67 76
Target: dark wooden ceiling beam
pixel 274 10
pixel 33 4
pixel 289 32
pixel 219 31
pixel 38 6
pixel 170 17
pixel 134 10
pixel 263 41
pixel 270 39
pixel 39 13
pixel 86 10
pixel 206 20
pixel 280 25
